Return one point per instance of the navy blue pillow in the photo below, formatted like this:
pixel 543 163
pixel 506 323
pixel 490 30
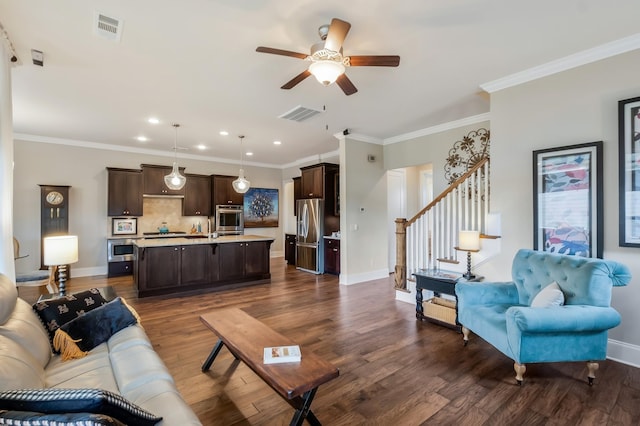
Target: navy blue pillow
pixel 60 400
pixel 75 338
pixel 29 418
pixel 54 313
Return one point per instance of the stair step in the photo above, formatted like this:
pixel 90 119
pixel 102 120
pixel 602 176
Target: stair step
pixel 490 237
pixel 445 260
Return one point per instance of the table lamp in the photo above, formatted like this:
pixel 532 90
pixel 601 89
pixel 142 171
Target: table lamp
pixel 468 241
pixel 60 251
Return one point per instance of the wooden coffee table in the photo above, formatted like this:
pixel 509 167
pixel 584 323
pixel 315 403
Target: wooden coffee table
pixel 246 337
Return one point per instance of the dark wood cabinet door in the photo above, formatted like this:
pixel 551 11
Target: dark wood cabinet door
pixel 297 193
pixel 195 261
pixel 290 248
pixel 231 260
pixel 162 267
pixel 332 256
pixel 153 180
pixel 313 182
pixel 197 196
pixel 256 258
pixel 124 192
pixel 223 192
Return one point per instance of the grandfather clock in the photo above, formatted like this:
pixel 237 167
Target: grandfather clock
pixel 54 214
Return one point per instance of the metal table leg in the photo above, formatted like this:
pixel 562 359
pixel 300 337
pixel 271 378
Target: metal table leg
pixel 304 410
pixel 212 356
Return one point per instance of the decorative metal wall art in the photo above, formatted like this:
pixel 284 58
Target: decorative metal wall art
pixel 466 153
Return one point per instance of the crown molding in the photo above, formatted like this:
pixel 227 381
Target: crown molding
pixel 438 128
pixel 584 57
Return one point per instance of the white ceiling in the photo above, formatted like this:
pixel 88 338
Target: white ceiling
pixel 194 62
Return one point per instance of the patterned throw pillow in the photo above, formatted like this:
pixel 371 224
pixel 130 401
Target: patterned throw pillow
pixel 77 337
pixel 56 312
pixel 29 418
pixel 60 400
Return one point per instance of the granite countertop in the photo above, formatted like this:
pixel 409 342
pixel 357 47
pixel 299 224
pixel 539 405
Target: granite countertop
pixel 186 241
pixel 331 237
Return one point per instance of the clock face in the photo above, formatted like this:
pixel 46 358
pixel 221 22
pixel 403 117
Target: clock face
pixel 55 198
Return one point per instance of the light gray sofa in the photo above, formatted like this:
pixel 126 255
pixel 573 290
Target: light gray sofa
pixel 126 364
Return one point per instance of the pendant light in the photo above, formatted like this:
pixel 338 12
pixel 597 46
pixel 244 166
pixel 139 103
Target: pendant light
pixel 241 185
pixel 175 180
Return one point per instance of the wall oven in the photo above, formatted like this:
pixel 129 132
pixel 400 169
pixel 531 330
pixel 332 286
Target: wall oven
pixel 229 220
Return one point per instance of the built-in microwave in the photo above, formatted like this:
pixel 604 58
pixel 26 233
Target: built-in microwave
pixel 229 220
pixel 119 249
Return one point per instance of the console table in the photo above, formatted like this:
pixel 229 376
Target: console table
pixel 439 282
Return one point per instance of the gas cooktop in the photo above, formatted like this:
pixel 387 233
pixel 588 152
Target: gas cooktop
pixel 163 234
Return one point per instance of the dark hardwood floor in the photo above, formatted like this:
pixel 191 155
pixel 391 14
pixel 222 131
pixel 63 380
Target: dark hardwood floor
pixel 393 369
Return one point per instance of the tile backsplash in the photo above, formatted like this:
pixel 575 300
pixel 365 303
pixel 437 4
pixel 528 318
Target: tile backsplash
pixel 169 210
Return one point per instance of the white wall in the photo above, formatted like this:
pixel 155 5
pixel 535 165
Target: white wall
pixel 575 106
pixel 84 169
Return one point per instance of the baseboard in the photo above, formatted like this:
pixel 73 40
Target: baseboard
pixel 623 352
pixel 88 272
pixel 365 276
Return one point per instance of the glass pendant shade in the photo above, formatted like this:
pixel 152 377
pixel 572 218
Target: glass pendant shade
pixel 175 180
pixel 326 71
pixel 241 185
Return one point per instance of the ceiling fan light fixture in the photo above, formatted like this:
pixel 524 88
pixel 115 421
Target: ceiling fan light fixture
pixel 326 71
pixel 175 180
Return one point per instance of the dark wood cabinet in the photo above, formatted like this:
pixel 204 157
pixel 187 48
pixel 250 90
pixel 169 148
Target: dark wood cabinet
pixel 312 181
pixel 322 181
pixel 153 180
pixel 195 264
pixel 290 248
pixel 197 196
pixel 54 214
pixel 297 193
pixel 124 192
pixel 244 260
pixel 332 256
pixel 223 192
pixel 172 266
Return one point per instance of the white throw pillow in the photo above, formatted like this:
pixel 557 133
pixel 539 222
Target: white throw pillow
pixel 549 296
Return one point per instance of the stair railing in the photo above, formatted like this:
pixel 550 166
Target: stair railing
pixel 430 237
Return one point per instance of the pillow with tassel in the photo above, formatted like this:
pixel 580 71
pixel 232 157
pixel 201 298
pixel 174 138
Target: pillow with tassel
pixel 77 337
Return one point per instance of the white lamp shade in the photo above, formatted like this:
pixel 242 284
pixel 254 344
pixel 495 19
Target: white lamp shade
pixel 175 180
pixel 241 185
pixel 60 250
pixel 327 71
pixel 469 240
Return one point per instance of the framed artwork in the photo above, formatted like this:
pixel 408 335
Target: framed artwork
pixel 629 171
pixel 261 208
pixel 567 200
pixel 124 226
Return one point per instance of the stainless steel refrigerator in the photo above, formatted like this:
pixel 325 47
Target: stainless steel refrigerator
pixel 309 241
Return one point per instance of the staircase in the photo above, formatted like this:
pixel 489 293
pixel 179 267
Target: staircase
pixel 428 240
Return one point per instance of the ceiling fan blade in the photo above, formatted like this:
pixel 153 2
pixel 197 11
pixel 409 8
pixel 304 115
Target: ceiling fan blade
pixel 337 32
pixel 271 50
pixel 346 85
pixel 374 61
pixel 295 80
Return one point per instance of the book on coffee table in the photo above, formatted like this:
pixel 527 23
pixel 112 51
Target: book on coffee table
pixel 279 354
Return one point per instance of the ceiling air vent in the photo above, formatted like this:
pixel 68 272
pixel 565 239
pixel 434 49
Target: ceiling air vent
pixel 300 114
pixel 107 27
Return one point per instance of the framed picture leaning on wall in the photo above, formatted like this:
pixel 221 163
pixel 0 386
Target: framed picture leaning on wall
pixel 567 200
pixel 629 171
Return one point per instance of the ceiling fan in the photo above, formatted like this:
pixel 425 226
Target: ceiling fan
pixel 327 61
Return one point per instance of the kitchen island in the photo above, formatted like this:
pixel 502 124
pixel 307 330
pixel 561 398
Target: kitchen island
pixel 174 265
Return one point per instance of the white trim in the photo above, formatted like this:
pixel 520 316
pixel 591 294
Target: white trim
pixel 88 272
pixel 623 352
pixel 310 159
pixel 584 57
pixel 362 277
pixel 438 128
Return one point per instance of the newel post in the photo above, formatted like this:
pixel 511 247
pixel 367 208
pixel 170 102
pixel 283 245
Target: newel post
pixel 401 255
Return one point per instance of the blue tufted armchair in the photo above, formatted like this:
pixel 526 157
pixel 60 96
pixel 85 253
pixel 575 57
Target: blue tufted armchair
pixel 501 312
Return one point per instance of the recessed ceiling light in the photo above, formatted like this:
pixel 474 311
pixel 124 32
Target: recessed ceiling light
pixel 277 143
pixel 142 138
pixel 153 120
pixel 249 154
pixel 224 133
pixel 201 147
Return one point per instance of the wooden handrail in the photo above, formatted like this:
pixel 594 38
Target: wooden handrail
pixel 447 191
